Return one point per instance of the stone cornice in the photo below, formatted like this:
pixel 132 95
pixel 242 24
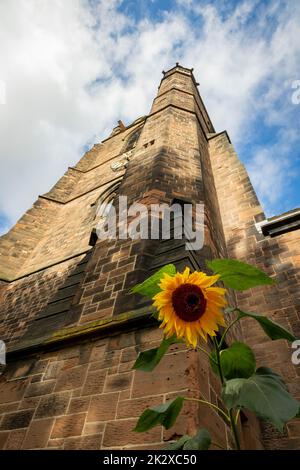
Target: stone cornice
pixel 99 328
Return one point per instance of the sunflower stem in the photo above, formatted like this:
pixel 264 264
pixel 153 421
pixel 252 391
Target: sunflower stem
pixel 234 430
pixel 231 415
pixel 207 354
pixel 210 404
pixel 218 360
pixel 226 331
pixel 237 416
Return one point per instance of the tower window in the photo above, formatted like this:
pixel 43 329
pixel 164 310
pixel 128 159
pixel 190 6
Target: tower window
pixel 132 139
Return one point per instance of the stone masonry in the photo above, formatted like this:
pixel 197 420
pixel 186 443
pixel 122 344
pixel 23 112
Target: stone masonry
pixel 72 328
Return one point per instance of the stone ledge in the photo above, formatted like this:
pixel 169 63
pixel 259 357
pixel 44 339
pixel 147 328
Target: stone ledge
pixel 123 322
pixel 213 136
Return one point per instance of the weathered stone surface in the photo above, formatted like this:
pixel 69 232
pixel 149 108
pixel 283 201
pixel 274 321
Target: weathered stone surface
pixel 134 408
pixel 53 405
pixel 15 439
pixel 67 426
pixel 38 434
pixel 171 374
pixel 41 388
pixel 103 407
pixel 19 419
pixel 94 383
pixel 119 433
pixel 71 378
pixel 118 382
pixel 83 443
pixel 3 439
pixel 79 404
pixel 12 391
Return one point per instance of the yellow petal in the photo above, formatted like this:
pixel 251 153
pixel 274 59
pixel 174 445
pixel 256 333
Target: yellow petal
pixel 186 274
pixel 218 290
pixel 200 331
pixel 202 280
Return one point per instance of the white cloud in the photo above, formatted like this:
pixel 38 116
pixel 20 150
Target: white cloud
pixel 72 68
pixel 269 171
pixel 234 57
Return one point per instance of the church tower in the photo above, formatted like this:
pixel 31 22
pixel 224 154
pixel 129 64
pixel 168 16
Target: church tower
pixel 70 324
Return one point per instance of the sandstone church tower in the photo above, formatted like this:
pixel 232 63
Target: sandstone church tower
pixel 72 328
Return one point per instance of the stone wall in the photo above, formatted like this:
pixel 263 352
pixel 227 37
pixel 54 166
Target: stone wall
pixel 278 256
pixel 86 396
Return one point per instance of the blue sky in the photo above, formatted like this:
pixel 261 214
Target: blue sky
pixel 72 68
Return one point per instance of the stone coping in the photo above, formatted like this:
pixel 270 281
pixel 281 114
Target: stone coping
pixel 98 328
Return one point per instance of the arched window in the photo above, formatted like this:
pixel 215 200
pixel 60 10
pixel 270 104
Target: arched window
pixel 102 208
pixel 106 199
pixel 132 139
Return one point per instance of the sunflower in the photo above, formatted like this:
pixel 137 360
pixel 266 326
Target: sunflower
pixel 189 307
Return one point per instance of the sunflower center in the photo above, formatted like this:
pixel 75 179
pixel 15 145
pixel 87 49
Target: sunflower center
pixel 188 302
pixel 192 300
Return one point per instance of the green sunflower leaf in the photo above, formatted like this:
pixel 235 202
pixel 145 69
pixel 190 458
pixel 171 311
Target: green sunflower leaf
pixel 237 361
pixel 238 275
pixel 179 443
pixel 265 394
pixel 271 328
pixel 164 415
pixel 147 360
pixel 150 286
pixel 201 441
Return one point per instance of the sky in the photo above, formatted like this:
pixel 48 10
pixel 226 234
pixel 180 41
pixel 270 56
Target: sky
pixel 70 69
